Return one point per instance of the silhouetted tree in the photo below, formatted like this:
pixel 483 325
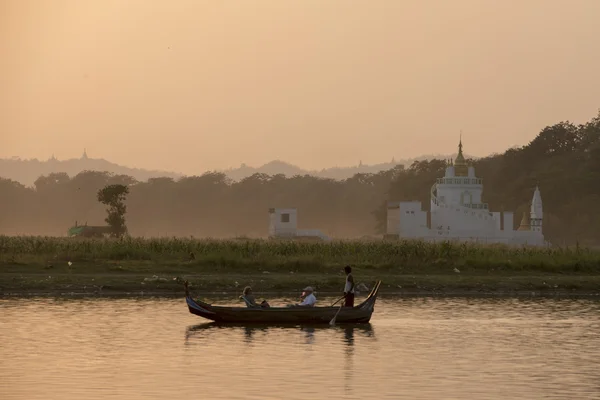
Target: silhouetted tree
pixel 114 196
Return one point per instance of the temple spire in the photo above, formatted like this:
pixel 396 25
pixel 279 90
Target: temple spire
pixel 536 211
pixel 461 168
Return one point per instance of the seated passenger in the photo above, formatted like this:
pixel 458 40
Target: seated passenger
pixel 250 300
pixel 308 298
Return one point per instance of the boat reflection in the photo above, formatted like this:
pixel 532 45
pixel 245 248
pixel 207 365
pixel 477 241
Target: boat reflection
pixel 249 331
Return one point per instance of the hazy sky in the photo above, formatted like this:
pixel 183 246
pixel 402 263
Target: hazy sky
pixel 191 85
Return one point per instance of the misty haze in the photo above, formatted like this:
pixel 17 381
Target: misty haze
pixel 329 90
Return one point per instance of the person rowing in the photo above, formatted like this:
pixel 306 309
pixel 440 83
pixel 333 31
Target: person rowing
pixel 349 287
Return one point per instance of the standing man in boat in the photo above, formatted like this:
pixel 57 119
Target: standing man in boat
pixel 349 287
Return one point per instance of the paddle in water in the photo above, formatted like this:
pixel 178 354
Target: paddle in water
pixel 332 322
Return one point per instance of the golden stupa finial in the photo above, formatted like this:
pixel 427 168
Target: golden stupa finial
pixel 525 223
pixel 461 168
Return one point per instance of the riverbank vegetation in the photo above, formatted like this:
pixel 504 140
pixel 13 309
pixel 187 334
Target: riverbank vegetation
pixel 138 264
pixel 308 256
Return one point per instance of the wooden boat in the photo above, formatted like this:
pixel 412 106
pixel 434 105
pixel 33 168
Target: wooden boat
pixel 359 314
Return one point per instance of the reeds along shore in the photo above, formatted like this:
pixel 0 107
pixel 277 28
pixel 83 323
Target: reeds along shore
pixel 63 266
pixel 245 255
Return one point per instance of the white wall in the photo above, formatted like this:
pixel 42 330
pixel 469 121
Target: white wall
pixel 311 233
pixel 283 222
pixel 509 221
pixel 407 220
pixel 498 220
pixel 277 224
pixel 413 220
pixel 530 238
pixel 452 193
pixel 462 219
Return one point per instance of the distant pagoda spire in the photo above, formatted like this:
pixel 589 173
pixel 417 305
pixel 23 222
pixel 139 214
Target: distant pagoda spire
pixel 84 156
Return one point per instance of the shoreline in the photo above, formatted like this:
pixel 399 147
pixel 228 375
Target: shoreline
pixel 138 267
pixel 221 295
pixel 36 282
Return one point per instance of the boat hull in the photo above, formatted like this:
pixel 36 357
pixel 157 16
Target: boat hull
pixel 360 314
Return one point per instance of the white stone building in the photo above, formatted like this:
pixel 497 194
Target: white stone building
pixel 457 213
pixel 283 223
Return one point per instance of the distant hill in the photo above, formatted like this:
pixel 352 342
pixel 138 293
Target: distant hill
pixel 27 171
pixel 339 173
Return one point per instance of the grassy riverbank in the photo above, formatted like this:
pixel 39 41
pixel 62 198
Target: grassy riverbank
pixel 62 266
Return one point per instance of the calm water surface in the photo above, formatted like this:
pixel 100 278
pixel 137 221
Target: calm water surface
pixel 413 349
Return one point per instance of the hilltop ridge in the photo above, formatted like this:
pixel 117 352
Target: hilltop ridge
pixel 27 172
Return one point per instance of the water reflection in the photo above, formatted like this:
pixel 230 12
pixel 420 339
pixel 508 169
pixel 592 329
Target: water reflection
pixel 249 332
pixel 349 356
pixel 309 331
pixel 205 330
pixel 311 335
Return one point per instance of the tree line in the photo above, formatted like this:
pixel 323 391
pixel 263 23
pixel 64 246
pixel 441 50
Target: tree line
pixel 564 160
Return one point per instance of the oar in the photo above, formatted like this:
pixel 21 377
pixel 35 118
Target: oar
pixel 332 322
pixel 337 301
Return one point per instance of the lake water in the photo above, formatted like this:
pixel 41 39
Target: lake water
pixel 414 348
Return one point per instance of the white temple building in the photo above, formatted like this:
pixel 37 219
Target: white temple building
pixel 457 213
pixel 283 224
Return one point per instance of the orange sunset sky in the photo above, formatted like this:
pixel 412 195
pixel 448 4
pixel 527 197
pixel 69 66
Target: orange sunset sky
pixel 192 85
